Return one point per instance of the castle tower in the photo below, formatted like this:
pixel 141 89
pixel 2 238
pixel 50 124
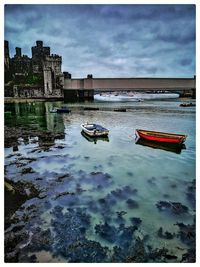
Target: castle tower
pixel 39 52
pixel 53 77
pixel 6 55
pixel 18 52
pixel 7 72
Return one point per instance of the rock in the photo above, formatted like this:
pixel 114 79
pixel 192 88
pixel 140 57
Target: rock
pixel 84 250
pixel 27 170
pixel 124 192
pixel 20 193
pixel 12 134
pixel 106 232
pixel 189 256
pixel 173 207
pixel 187 234
pixel 41 240
pixel 166 235
pixel 191 193
pixel 69 227
pixel 132 204
pixel 171 257
pixel 64 194
pixel 135 221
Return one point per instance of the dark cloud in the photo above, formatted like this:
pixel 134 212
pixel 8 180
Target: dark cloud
pixel 185 61
pixel 109 40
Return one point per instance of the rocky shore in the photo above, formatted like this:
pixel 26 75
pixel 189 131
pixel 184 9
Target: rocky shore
pixel 12 134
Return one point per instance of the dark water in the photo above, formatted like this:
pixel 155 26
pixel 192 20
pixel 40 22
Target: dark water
pixel 92 189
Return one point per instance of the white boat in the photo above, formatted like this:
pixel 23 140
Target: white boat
pixel 136 97
pixel 53 110
pixel 93 129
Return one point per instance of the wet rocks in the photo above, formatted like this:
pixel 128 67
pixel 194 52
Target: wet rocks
pixel 86 251
pixel 61 178
pixel 124 192
pixel 170 257
pixel 132 204
pixel 135 252
pixel 120 219
pixel 165 235
pixel 97 179
pixel 131 174
pixel 12 134
pixel 173 207
pixel 191 193
pixel 105 204
pixel 17 193
pixel 27 170
pixel 64 194
pixel 135 221
pixel 152 180
pixel 122 235
pixel 187 233
pixel 106 232
pixel 157 254
pixel 69 227
pixel 189 256
pixel 12 240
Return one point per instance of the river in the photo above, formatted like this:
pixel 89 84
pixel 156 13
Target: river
pixel 101 199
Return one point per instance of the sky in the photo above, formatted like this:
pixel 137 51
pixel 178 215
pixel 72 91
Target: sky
pixel 109 40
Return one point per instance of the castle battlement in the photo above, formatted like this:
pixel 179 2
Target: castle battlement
pixel 42 66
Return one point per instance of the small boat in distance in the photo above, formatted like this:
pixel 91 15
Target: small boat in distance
pixel 63 110
pixel 187 105
pixel 53 110
pixel 93 129
pixel 60 110
pixel 160 136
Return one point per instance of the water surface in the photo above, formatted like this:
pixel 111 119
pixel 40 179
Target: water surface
pixel 111 180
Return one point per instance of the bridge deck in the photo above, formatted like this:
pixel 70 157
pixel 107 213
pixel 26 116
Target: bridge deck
pixel 130 84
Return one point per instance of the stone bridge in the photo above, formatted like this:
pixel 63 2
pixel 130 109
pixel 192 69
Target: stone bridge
pixel 84 88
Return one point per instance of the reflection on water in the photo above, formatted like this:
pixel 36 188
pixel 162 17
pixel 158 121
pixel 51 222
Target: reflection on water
pixel 176 148
pixel 94 139
pixel 104 202
pixel 35 115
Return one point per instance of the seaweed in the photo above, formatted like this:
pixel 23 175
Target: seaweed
pixel 173 207
pixel 86 251
pixel 124 192
pixel 69 227
pixel 135 221
pixel 187 233
pixel 165 235
pixel 191 193
pixel 132 204
pixel 106 232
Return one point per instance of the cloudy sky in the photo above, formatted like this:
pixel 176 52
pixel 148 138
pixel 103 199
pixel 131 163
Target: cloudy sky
pixel 109 40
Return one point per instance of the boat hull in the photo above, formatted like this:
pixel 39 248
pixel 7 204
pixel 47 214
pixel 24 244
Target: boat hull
pixel 171 147
pixel 161 137
pixel 90 130
pixel 94 139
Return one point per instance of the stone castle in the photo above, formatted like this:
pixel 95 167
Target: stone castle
pixel 39 76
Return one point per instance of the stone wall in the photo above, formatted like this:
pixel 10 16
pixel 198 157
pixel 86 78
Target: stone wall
pixel 28 92
pixel 41 73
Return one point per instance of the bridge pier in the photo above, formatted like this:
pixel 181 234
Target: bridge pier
pixel 78 95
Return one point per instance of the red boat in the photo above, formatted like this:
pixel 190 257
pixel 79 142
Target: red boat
pixel 161 137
